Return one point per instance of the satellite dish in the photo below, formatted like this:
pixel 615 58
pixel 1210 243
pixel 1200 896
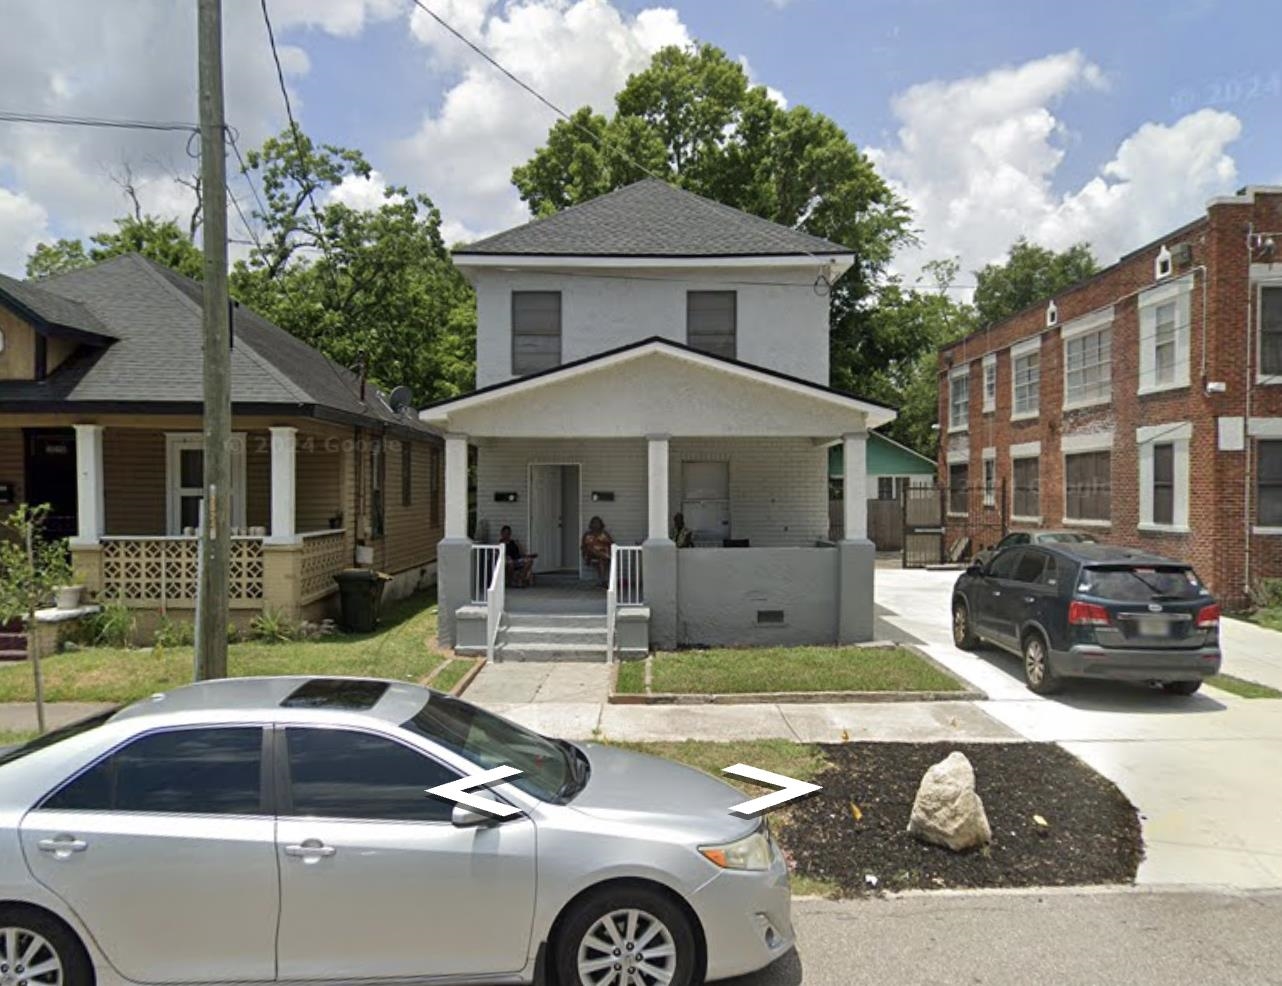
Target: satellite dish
pixel 400 398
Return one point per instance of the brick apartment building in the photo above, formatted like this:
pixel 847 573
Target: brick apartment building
pixel 1143 404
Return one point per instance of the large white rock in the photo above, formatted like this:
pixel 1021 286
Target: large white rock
pixel 947 811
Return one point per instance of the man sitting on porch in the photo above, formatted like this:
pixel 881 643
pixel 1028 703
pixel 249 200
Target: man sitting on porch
pixel 682 536
pixel 596 548
pixel 520 568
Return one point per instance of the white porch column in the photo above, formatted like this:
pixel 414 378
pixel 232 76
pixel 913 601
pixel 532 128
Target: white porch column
pixel 855 485
pixel 455 486
pixel 90 513
pixel 658 495
pixel 284 484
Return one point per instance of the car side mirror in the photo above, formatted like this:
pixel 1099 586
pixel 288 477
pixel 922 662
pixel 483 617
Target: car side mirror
pixel 465 818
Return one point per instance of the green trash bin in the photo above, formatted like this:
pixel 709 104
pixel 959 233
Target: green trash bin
pixel 360 593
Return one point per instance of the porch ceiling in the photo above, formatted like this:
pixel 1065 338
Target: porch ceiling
pixel 658 388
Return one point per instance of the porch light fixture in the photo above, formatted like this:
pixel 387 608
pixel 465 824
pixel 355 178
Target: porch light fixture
pixel 599 496
pixel 505 497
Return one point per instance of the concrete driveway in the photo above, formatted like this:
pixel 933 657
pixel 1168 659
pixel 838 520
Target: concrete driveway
pixel 1203 770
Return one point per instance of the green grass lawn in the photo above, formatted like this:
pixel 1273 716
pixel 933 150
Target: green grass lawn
pixel 1266 616
pixel 402 647
pixel 793 669
pixel 452 674
pixel 1241 687
pixel 13 739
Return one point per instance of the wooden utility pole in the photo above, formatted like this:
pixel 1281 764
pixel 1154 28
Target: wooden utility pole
pixel 215 529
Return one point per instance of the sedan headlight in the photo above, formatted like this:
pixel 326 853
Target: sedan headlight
pixel 752 852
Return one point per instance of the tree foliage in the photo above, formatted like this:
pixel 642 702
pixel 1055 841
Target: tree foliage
pixel 161 240
pixel 1029 275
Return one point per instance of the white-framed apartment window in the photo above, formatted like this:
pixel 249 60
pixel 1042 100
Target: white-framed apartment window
pixel 1165 317
pixel 1088 360
pixel 185 480
pixel 990 477
pixel 1026 482
pixel 958 484
pixel 1266 436
pixel 1268 303
pixel 1088 478
pixel 1164 476
pixel 990 383
pixel 959 398
pixel 1025 373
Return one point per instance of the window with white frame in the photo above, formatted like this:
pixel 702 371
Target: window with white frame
pixel 959 399
pixel 1088 358
pixel 1026 494
pixel 1088 485
pixel 1164 475
pixel 1270 307
pixel 990 477
pixel 1268 483
pixel 1165 314
pixel 990 383
pixel 185 480
pixel 1026 379
pixel 958 488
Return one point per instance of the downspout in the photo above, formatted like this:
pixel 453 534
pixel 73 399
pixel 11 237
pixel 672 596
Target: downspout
pixel 1249 450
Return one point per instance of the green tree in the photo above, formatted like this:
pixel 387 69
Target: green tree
pixel 375 287
pixel 1031 274
pixel 162 240
pixel 692 118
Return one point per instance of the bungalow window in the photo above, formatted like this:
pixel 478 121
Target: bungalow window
pixel 959 399
pixel 1026 383
pixel 1088 486
pixel 1027 501
pixel 434 486
pixel 536 331
pixel 185 480
pixel 958 487
pixel 407 474
pixel 885 487
pixel 377 513
pixel 1268 490
pixel 711 318
pixel 1271 330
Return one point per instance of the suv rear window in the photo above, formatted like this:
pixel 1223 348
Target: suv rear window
pixel 1141 584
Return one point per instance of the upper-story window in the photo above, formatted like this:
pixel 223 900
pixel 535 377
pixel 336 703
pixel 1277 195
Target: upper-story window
pixel 1271 330
pixel 1088 359
pixel 959 398
pixel 1025 361
pixel 1164 336
pixel 710 322
pixel 536 331
pixel 990 383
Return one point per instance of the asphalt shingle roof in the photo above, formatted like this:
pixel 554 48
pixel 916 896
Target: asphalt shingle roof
pixel 51 308
pixel 154 314
pixel 652 219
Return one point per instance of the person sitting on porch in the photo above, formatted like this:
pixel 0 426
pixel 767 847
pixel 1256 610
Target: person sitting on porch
pixel 682 535
pixel 520 568
pixel 596 548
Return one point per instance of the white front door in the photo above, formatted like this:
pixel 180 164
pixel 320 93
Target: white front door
pixel 705 500
pixel 554 497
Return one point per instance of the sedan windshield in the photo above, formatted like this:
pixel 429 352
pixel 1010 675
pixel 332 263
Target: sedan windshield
pixel 551 770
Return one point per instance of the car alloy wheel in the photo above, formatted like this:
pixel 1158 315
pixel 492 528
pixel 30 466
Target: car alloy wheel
pixel 627 948
pixel 1035 661
pixel 28 959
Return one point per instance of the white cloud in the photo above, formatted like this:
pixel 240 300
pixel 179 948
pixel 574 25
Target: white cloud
pixel 976 158
pixel 775 95
pixel 24 223
pixel 343 18
pixel 361 193
pixel 575 53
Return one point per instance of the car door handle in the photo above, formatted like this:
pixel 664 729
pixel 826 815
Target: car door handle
pixel 309 849
pixel 63 845
pixel 997 592
pixel 1030 599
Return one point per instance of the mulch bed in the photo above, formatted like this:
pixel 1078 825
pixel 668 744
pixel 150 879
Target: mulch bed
pixel 1092 835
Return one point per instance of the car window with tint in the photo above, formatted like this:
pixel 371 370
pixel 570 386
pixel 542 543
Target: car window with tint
pixel 1050 573
pixel 1030 566
pixel 214 771
pixel 1003 566
pixel 340 773
pixel 1141 584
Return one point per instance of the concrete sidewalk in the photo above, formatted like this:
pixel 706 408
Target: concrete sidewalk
pixel 1251 652
pixel 20 717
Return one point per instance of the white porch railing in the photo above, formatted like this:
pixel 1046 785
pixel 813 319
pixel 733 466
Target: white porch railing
pixel 489 588
pixel 623 589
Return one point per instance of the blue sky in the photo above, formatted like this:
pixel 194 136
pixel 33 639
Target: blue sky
pixel 1103 121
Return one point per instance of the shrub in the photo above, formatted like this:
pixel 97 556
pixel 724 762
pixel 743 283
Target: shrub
pixel 272 627
pixel 113 626
pixel 1266 593
pixel 174 633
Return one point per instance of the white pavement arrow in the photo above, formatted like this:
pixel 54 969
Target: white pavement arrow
pixel 791 789
pixel 457 791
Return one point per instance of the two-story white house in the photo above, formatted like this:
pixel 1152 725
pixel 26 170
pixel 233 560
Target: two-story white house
pixel 647 353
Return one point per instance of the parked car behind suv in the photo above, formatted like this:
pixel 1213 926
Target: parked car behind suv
pixel 1091 611
pixel 1017 538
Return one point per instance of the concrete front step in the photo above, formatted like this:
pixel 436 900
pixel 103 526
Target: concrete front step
pixel 584 621
pixel 550 652
pixel 552 635
pixel 11 640
pixel 13 655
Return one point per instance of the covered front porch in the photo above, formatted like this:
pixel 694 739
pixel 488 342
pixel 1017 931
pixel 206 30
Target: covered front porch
pixel 740 452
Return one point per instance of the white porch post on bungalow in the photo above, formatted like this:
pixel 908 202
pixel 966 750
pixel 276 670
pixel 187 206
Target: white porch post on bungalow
pixel 658 495
pixel 284 484
pixel 855 485
pixel 90 514
pixel 455 487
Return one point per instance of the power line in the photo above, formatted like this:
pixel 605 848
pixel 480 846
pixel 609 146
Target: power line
pixel 13 116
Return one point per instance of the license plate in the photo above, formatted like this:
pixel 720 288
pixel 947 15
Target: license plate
pixel 1154 627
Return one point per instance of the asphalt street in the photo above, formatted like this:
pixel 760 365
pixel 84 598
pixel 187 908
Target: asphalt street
pixel 1057 938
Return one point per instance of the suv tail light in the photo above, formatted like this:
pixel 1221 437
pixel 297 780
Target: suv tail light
pixel 1087 614
pixel 1208 617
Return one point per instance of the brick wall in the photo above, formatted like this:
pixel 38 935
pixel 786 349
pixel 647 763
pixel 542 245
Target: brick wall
pixel 1218 350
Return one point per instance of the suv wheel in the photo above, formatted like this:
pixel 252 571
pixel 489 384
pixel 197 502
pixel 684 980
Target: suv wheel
pixel 1181 687
pixel 1037 666
pixel 963 635
pixel 630 936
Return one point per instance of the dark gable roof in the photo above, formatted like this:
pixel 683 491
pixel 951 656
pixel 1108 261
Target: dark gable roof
pixel 652 219
pixel 155 316
pixel 49 310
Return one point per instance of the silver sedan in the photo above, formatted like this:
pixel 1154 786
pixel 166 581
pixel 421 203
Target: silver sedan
pixel 278 829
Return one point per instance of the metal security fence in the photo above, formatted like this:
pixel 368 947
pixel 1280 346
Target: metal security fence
pixel 943 524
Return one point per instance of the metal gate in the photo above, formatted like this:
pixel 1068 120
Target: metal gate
pixel 923 526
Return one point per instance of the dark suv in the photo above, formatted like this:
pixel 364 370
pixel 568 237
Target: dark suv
pixel 1091 611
